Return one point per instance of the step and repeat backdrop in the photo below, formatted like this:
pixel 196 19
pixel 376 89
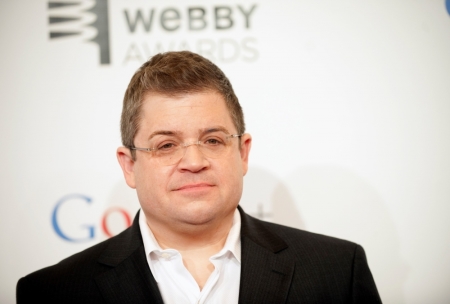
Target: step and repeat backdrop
pixel 348 102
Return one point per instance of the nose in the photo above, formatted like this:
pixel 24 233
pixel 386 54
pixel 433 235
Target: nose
pixel 193 159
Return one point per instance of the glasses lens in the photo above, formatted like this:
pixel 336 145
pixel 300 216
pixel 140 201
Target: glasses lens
pixel 213 145
pixel 166 149
pixel 169 151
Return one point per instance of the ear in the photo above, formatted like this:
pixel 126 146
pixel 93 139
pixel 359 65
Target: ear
pixel 127 164
pixel 246 144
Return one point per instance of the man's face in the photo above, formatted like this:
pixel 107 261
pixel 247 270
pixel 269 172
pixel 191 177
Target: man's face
pixel 197 189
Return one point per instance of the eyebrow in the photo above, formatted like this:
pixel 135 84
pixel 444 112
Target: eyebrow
pixel 178 133
pixel 164 132
pixel 214 129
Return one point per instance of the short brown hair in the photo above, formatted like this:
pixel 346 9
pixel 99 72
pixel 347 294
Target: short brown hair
pixel 174 74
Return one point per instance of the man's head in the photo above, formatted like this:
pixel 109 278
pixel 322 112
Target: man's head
pixel 175 74
pixel 182 102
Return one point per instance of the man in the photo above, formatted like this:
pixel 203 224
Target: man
pixel 185 151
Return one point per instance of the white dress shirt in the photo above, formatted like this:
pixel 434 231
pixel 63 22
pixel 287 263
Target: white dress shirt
pixel 175 282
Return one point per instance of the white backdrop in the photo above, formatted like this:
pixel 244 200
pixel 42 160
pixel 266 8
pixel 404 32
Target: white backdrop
pixel 348 102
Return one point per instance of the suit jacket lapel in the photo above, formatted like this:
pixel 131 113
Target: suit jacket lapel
pixel 265 274
pixel 129 280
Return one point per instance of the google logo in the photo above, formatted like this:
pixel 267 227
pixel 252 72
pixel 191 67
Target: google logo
pixel 90 228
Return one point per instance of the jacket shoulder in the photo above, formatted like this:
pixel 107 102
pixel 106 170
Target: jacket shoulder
pixel 78 262
pixel 70 278
pixel 293 236
pixel 267 234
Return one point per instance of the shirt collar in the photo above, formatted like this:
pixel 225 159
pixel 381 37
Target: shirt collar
pixel 232 243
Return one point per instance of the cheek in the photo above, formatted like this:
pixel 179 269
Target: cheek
pixel 150 182
pixel 233 174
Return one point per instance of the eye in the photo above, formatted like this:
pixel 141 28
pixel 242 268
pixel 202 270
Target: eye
pixel 213 142
pixel 168 146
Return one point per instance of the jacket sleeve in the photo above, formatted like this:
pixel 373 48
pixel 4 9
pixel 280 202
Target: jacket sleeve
pixel 364 289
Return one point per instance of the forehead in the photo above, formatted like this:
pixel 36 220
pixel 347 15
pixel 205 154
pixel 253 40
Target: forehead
pixel 185 113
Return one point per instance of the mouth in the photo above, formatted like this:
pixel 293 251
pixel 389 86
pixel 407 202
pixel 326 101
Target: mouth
pixel 193 187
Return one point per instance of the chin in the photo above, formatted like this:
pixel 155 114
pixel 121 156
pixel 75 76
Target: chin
pixel 201 212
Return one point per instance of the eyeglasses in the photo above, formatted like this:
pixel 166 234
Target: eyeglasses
pixel 169 150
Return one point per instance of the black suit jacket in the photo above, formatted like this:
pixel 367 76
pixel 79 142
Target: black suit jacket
pixel 279 265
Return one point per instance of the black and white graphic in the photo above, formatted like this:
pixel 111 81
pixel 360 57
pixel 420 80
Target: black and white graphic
pixel 68 12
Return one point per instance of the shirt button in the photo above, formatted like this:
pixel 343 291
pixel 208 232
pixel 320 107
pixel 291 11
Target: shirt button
pixel 165 255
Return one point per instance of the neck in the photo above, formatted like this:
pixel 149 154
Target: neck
pixel 209 237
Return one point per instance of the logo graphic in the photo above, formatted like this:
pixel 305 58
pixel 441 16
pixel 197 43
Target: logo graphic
pixel 172 28
pixel 85 231
pixel 447 5
pixel 58 16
